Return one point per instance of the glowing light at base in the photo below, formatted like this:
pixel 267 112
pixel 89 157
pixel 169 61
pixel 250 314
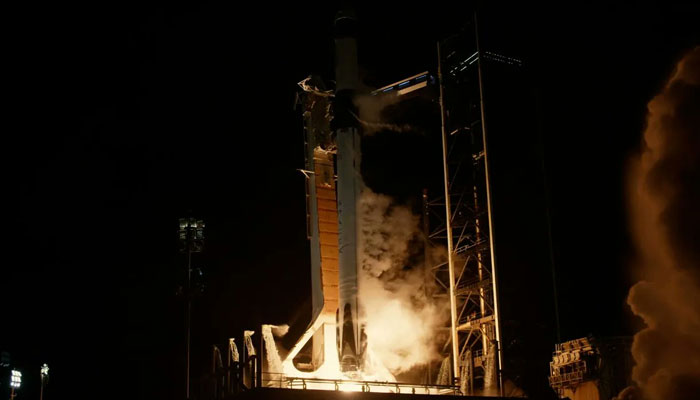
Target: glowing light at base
pixel 373 378
pixel 398 317
pixel 330 369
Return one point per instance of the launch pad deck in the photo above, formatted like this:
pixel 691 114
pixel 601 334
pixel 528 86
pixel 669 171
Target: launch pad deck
pixel 301 394
pixel 348 385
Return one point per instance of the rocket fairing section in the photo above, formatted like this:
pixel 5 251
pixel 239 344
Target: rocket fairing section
pixel 349 329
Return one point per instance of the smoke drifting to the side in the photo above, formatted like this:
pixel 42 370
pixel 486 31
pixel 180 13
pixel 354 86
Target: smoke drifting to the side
pixel 401 318
pixel 664 194
pixel 370 110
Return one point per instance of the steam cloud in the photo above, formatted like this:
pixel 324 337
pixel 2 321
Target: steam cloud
pixel 370 109
pixel 401 319
pixel 664 194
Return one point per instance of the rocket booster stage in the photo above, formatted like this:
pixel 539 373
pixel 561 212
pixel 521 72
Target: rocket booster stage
pixel 350 332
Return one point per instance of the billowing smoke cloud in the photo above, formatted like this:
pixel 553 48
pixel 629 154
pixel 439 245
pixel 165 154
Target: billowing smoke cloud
pixel 401 318
pixel 664 193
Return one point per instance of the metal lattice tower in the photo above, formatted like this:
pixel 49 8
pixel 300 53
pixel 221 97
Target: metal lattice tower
pixel 191 238
pixel 461 220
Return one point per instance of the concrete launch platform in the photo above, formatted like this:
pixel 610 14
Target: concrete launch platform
pixel 291 394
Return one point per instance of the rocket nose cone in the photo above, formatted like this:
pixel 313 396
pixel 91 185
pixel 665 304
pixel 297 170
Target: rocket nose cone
pixel 345 22
pixel 345 13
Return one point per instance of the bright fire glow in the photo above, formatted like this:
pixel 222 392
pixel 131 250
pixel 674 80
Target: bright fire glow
pixel 399 318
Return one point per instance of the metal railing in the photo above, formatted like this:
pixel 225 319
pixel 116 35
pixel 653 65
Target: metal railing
pixel 279 380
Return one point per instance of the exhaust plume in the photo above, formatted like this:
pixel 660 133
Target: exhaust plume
pixel 400 317
pixel 274 361
pixel 664 199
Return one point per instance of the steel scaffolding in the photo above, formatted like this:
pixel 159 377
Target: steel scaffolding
pixel 461 219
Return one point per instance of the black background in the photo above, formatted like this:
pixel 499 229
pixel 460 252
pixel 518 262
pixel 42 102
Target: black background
pixel 121 118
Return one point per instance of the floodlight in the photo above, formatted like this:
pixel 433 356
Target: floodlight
pixel 191 234
pixel 15 379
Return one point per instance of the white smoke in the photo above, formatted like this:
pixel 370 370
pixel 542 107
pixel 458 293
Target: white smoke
pixel 279 330
pixel 665 215
pixel 274 362
pixel 370 114
pixel 400 318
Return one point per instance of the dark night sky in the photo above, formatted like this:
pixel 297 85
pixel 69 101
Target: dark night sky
pixel 120 119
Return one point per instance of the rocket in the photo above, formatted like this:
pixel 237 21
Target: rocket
pixel 336 331
pixel 350 338
pixel 335 335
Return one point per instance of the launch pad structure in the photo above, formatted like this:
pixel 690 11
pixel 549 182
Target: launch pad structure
pixel 463 217
pixel 332 351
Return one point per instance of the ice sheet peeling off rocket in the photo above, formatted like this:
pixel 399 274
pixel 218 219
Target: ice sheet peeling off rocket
pixel 335 334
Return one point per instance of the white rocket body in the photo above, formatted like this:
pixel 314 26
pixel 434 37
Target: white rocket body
pixel 350 335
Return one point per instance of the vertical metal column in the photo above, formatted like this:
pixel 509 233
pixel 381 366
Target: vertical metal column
pixel 188 313
pixel 427 261
pixel 448 227
pixel 489 204
pixel 191 236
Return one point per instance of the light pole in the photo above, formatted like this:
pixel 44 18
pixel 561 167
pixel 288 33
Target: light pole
pixel 44 379
pixel 191 234
pixel 15 382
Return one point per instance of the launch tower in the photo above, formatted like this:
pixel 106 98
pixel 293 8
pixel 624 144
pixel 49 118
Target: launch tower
pixel 331 354
pixel 463 218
